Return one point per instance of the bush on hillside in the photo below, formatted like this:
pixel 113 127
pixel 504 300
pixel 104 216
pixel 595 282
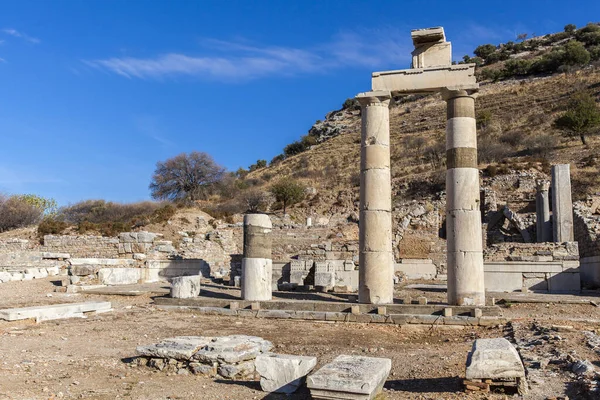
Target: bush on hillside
pixel 51 226
pixel 570 28
pixel 485 50
pixel 17 212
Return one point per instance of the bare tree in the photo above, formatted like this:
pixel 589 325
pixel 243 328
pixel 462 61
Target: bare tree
pixel 257 200
pixel 185 177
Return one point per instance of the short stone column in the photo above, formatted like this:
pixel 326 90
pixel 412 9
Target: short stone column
pixel 376 259
pixel 463 213
pixel 542 210
pixel 257 265
pixel 562 204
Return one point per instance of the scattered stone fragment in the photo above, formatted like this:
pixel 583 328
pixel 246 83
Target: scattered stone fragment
pixel 350 377
pixel 283 373
pixel 583 368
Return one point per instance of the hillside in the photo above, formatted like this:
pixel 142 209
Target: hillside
pixel 515 120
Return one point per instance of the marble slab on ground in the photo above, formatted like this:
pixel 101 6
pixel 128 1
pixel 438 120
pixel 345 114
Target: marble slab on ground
pixel 494 359
pixel 55 311
pixel 350 377
pixel 130 290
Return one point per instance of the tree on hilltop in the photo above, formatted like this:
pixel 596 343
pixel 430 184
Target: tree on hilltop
pixel 185 177
pixel 581 117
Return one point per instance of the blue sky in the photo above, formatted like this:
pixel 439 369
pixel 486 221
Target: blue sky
pixel 94 93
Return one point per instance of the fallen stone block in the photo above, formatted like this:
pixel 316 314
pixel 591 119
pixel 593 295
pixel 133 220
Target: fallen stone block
pixel 350 377
pixel 185 287
pixel 179 348
pixel 495 360
pixel 5 276
pixel 283 373
pixel 55 311
pixel 52 271
pixel 233 349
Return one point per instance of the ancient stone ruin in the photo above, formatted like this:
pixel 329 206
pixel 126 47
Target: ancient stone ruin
pixel 432 72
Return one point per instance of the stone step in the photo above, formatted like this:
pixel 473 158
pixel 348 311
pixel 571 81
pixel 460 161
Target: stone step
pixel 54 311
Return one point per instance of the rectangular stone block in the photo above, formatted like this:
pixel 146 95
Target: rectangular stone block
pixel 350 377
pixel 55 311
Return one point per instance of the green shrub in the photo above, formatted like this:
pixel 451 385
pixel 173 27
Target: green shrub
pixel 483 118
pixel 517 67
pixel 485 50
pixel 51 226
pixel 576 54
pixel 570 28
pixel 294 148
pixel 594 53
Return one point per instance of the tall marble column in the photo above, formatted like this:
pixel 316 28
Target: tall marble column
pixel 463 213
pixel 562 204
pixel 257 265
pixel 376 258
pixel 542 211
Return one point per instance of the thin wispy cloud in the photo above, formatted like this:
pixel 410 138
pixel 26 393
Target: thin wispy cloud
pixel 240 60
pixel 149 126
pixel 21 35
pixel 2 60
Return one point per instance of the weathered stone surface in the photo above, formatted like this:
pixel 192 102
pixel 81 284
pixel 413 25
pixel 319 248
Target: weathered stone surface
pixel 179 348
pixel 233 349
pixel 84 269
pixel 119 276
pixel 185 287
pixel 283 373
pixel 494 359
pixel 350 377
pixel 56 311
pixel 241 370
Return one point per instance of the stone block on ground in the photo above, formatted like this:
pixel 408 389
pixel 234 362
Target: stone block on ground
pixel 350 377
pixel 185 287
pixel 283 373
pixel 55 311
pixel 179 348
pixel 494 359
pixel 233 349
pixel 119 276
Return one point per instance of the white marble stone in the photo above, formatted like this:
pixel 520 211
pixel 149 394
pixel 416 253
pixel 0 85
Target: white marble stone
pixel 283 373
pixel 350 377
pixel 494 359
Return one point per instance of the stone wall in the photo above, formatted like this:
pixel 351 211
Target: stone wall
pixel 83 245
pixel 532 252
pixel 7 245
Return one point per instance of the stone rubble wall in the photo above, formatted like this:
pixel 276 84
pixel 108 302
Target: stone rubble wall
pixel 83 245
pixel 532 252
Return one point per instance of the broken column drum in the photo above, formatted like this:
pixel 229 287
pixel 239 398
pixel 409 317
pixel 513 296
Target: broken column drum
pixel 542 210
pixel 257 265
pixel 463 214
pixel 376 257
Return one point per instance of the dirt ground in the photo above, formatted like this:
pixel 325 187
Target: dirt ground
pixel 88 358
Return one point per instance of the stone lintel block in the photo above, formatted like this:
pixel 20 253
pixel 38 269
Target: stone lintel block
pixel 55 311
pixel 425 80
pixel 178 348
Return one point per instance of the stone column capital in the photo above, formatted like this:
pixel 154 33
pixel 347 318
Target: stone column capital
pixel 542 185
pixel 374 98
pixel 454 92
